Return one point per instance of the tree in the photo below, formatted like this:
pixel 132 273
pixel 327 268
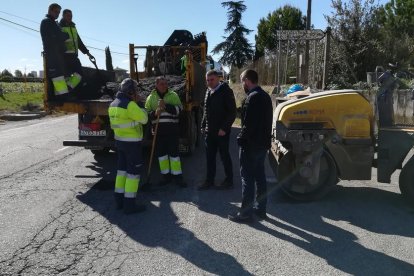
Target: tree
pixel 6 73
pixel 355 37
pixel 18 73
pixel 286 18
pixel 236 49
pixel 397 30
pixel 108 59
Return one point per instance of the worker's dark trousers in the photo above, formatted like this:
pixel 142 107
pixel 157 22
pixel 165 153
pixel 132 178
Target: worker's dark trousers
pixel 253 176
pixel 73 64
pixel 55 66
pixel 73 70
pixel 129 168
pixel 385 104
pixel 213 144
pixel 167 154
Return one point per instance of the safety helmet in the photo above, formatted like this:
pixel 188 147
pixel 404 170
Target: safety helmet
pixel 295 88
pixel 129 86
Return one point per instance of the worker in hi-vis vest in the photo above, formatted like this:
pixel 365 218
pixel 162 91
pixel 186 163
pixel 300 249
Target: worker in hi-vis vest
pixel 164 105
pixel 54 48
pixel 126 119
pixel 73 44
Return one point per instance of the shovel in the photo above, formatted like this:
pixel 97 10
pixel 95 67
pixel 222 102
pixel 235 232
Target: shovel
pixel 147 184
pixel 93 60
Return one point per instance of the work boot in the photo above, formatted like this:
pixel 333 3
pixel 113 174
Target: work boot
pixel 225 185
pixel 261 214
pixel 206 185
pixel 165 179
pixel 119 200
pixel 131 207
pixel 241 217
pixel 179 181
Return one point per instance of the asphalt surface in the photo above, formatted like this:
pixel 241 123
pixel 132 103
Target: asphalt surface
pixel 57 216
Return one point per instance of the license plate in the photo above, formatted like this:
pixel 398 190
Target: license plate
pixel 92 132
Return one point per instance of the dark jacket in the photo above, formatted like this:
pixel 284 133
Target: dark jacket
pixel 52 36
pixel 256 121
pixel 219 110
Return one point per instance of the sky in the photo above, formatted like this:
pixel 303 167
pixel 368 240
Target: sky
pixel 102 23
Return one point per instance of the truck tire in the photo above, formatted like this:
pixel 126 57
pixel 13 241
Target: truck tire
pixel 298 187
pixel 406 181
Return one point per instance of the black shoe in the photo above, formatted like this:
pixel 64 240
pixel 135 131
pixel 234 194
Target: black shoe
pixel 261 214
pixel 119 200
pixel 205 186
pixel 225 185
pixel 131 207
pixel 165 179
pixel 179 181
pixel 145 188
pixel 241 218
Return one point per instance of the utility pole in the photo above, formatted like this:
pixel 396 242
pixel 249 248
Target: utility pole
pixel 279 55
pixel 305 72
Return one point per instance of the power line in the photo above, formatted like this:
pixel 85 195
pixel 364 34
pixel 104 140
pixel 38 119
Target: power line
pixel 19 17
pixel 20 25
pixel 94 39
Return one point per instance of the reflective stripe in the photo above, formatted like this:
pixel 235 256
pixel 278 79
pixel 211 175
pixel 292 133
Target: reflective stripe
pixel 131 185
pixel 74 80
pixel 126 139
pixel 175 165
pixel 133 176
pixel 121 173
pixel 164 164
pixel 119 190
pixel 59 85
pixel 130 195
pixel 166 121
pixel 177 109
pixel 126 125
pixel 120 180
pixel 70 52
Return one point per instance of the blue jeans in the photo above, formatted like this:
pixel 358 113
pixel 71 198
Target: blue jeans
pixel 253 178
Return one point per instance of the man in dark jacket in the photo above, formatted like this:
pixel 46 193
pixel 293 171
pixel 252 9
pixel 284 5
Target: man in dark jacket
pixel 54 48
pixel 254 141
pixel 219 115
pixel 73 45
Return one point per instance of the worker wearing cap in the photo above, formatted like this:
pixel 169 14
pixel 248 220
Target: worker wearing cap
pixel 73 44
pixel 54 48
pixel 126 119
pixel 164 105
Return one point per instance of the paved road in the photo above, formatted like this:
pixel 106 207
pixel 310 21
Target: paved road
pixel 57 217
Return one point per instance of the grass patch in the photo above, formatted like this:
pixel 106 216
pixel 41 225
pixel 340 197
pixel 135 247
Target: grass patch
pixel 18 96
pixel 16 102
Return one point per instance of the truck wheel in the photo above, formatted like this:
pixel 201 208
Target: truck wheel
pixel 406 181
pixel 298 187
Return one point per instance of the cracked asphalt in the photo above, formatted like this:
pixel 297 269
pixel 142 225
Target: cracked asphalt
pixel 57 217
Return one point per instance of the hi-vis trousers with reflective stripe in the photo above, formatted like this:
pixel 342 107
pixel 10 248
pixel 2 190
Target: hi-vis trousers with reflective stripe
pixel 129 168
pixel 167 153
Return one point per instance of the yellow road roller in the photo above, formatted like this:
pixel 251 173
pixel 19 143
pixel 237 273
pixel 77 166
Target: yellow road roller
pixel 325 137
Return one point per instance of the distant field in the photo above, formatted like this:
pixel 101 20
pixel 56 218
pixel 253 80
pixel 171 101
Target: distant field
pixel 19 96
